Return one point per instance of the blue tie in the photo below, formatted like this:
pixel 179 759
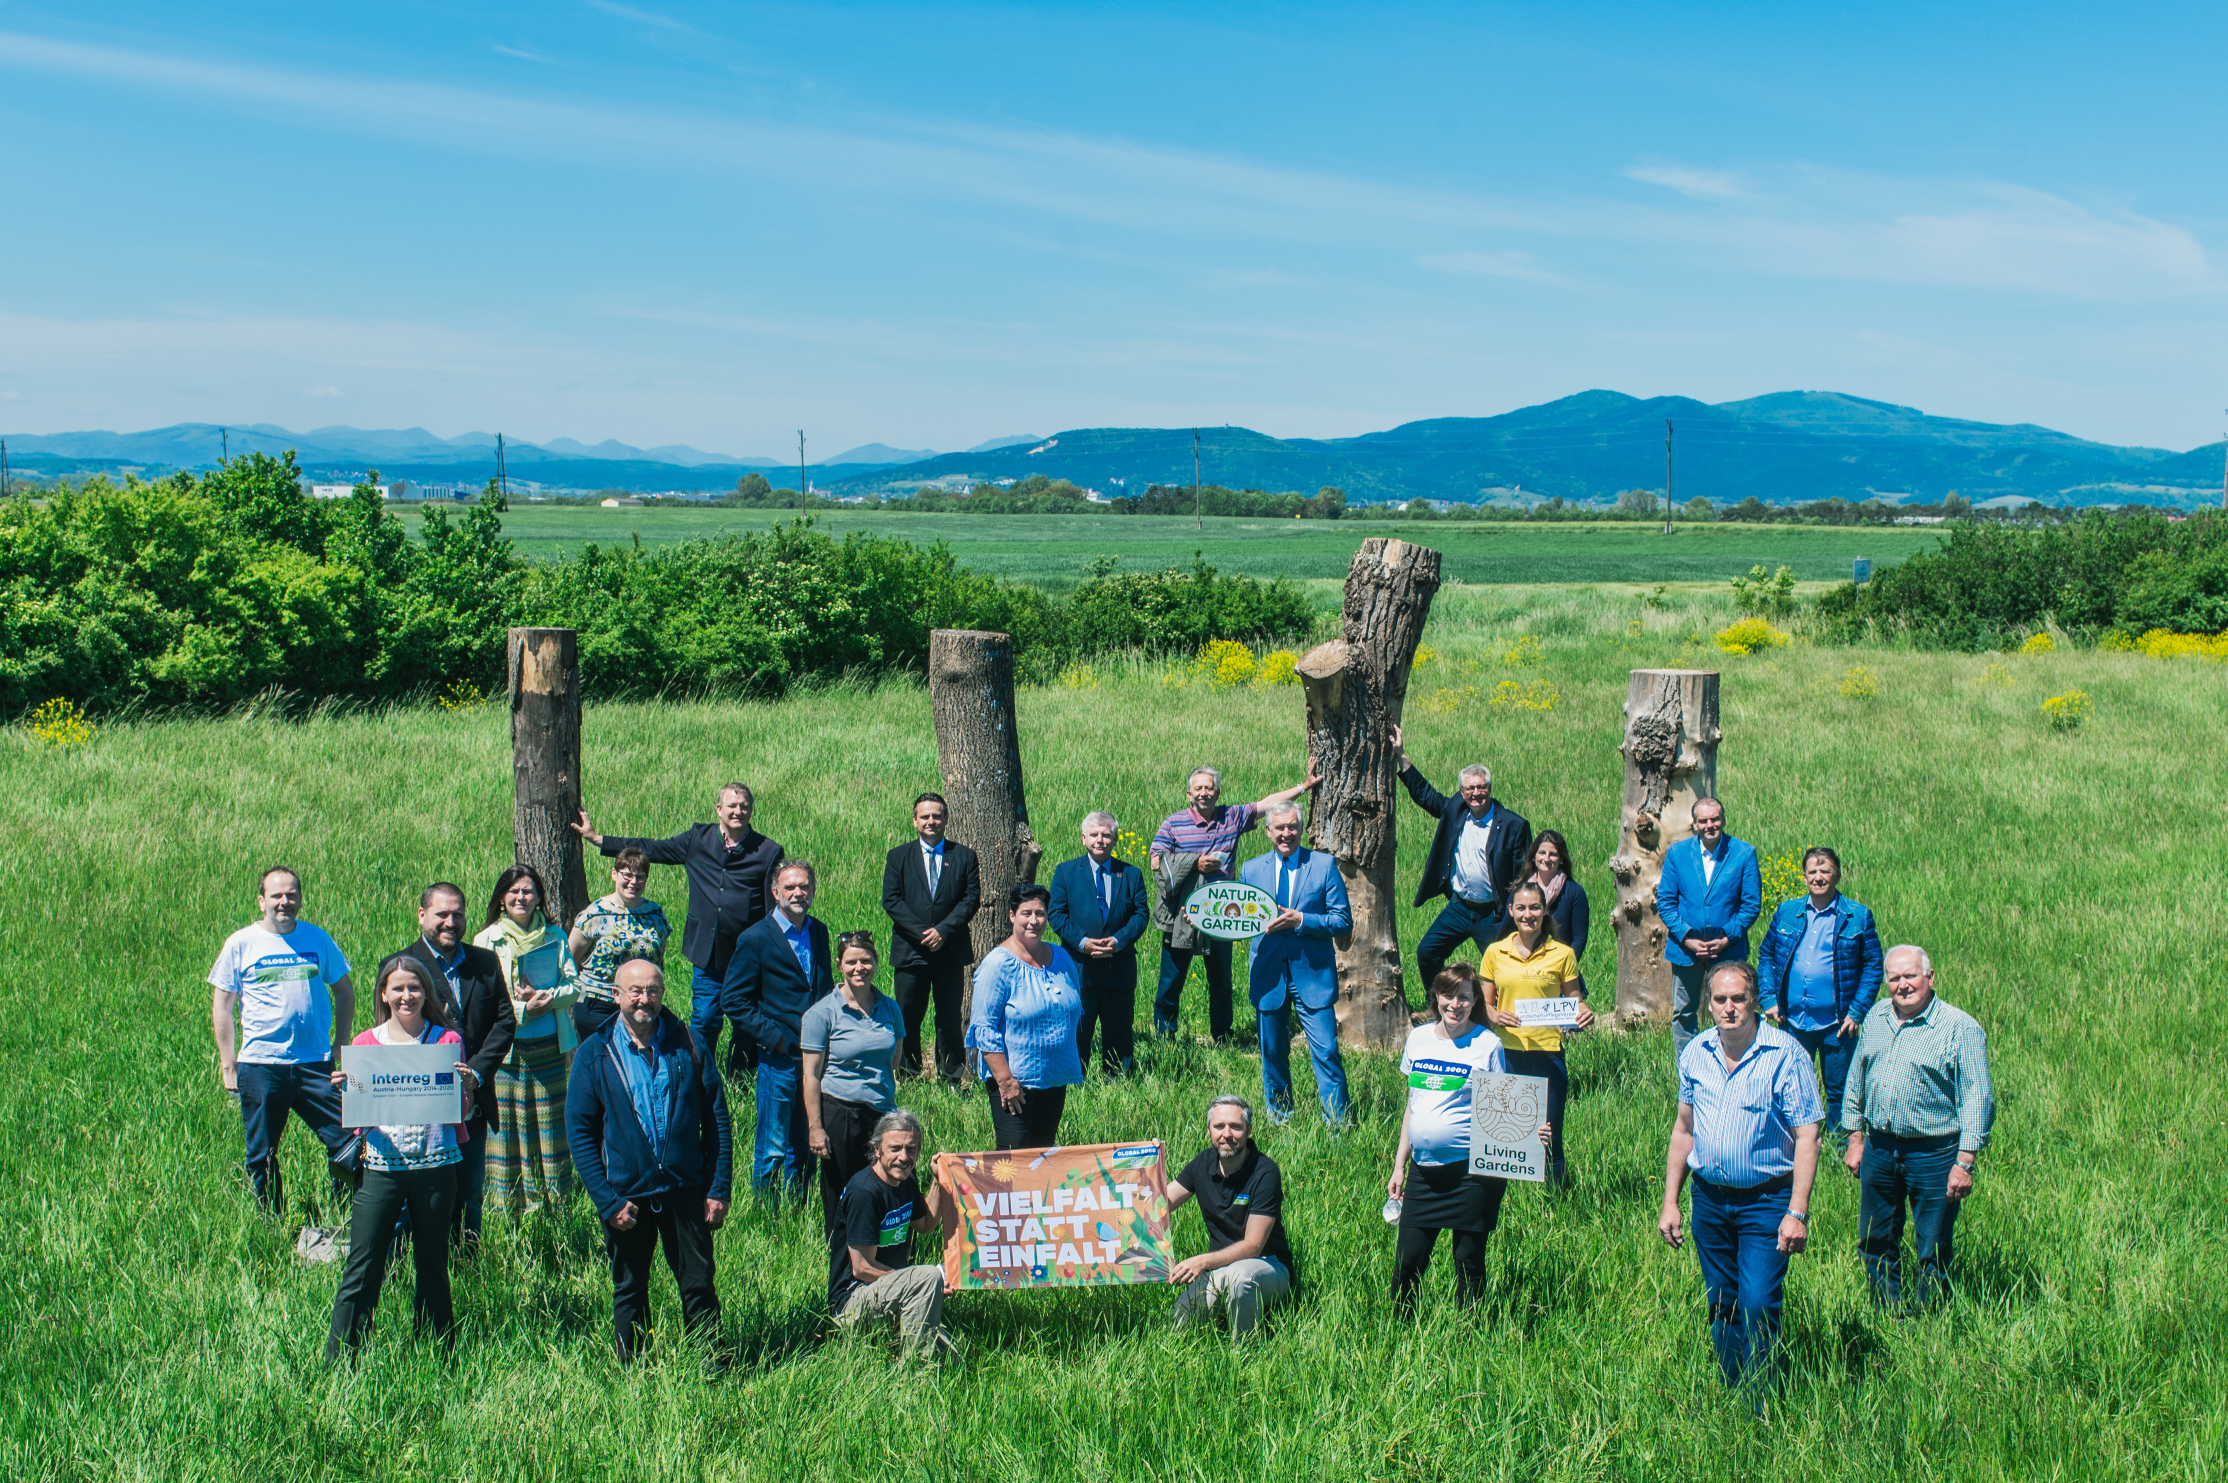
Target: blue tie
pixel 1284 884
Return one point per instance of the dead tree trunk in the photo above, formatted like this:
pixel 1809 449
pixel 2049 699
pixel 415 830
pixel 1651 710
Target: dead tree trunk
pixel 1356 686
pixel 545 764
pixel 970 693
pixel 1670 752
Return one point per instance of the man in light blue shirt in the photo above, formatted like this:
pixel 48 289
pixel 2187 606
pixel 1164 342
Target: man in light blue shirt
pixel 1747 1132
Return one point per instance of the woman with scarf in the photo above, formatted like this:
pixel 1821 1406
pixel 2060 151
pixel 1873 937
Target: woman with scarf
pixel 1567 907
pixel 528 1165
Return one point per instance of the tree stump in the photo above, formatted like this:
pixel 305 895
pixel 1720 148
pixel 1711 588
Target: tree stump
pixel 545 764
pixel 1355 687
pixel 1670 752
pixel 978 746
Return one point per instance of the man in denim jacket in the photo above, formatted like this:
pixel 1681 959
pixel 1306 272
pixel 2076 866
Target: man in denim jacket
pixel 1820 970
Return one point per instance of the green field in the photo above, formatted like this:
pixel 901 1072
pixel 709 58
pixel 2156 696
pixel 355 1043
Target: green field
pixel 2069 887
pixel 1058 550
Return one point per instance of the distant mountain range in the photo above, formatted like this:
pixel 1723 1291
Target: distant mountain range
pixel 1783 448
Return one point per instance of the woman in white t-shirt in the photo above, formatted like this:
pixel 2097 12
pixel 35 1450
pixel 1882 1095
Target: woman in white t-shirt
pixel 1439 1193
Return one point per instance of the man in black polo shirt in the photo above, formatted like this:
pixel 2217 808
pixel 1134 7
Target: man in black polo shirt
pixel 871 1276
pixel 1240 1191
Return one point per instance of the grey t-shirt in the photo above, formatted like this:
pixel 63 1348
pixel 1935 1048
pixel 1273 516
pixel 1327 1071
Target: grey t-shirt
pixel 861 1050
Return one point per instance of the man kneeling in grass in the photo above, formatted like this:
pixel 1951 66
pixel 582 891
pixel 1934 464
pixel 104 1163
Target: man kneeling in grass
pixel 871 1276
pixel 1241 1197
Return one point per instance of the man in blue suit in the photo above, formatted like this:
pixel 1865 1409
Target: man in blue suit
pixel 779 969
pixel 1710 895
pixel 1099 911
pixel 1294 963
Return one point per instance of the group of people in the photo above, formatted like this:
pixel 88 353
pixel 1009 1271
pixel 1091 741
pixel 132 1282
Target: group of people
pixel 575 1076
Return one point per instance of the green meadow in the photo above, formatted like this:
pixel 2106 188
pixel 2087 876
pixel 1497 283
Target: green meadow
pixel 2067 883
pixel 1057 551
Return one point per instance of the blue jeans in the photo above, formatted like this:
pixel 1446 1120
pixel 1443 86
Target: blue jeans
pixel 1547 1063
pixel 267 1094
pixel 1834 1052
pixel 1175 964
pixel 1897 1171
pixel 779 1152
pixel 1459 921
pixel 1321 1029
pixel 1736 1236
pixel 471 1184
pixel 704 1015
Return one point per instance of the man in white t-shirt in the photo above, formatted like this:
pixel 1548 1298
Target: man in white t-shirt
pixel 288 987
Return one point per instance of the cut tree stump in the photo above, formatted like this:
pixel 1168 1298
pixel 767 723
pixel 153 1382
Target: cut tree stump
pixel 545 764
pixel 1356 686
pixel 1670 752
pixel 978 746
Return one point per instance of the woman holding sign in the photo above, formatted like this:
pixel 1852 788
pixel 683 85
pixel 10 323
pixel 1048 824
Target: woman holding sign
pixel 1440 1193
pixel 409 1168
pixel 1028 1001
pixel 529 1168
pixel 1531 981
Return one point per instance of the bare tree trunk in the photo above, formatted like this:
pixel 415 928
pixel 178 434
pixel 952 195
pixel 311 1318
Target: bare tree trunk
pixel 1356 686
pixel 1670 752
pixel 970 692
pixel 545 764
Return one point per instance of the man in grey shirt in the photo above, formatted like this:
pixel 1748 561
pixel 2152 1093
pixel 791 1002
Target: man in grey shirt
pixel 1918 1112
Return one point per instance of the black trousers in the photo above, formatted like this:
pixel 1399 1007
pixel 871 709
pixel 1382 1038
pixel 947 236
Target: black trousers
pixel 849 1126
pixel 1036 1125
pixel 1412 1257
pixel 591 1015
pixel 429 1195
pixel 677 1219
pixel 941 979
pixel 1457 921
pixel 1109 1002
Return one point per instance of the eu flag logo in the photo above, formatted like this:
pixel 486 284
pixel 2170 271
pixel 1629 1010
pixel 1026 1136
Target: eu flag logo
pixel 444 1078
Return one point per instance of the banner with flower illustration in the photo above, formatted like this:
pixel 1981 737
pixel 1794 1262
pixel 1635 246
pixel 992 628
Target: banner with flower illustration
pixel 1056 1217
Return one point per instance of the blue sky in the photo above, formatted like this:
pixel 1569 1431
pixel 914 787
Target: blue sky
pixel 936 224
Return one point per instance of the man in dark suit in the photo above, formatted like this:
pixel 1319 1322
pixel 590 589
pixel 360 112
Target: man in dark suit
pixel 731 878
pixel 931 891
pixel 777 971
pixel 1479 854
pixel 1099 911
pixel 479 1007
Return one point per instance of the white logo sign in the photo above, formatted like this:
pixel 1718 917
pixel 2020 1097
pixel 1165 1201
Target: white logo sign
pixel 1505 1117
pixel 1230 910
pixel 400 1085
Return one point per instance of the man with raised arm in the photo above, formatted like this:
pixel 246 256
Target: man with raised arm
pixel 1479 852
pixel 1208 831
pixel 730 869
pixel 282 987
pixel 1747 1134
pixel 1248 1267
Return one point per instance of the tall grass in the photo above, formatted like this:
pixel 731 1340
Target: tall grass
pixel 2068 886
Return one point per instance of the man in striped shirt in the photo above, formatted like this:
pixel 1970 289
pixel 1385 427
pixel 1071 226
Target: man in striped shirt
pixel 1747 1132
pixel 1918 1111
pixel 1209 830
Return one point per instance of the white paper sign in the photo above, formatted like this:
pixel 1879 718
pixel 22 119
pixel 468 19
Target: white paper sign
pixel 1548 1014
pixel 1231 910
pixel 400 1085
pixel 1505 1116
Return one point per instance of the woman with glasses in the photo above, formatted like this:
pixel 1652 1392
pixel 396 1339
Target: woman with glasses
pixel 614 929
pixel 529 1167
pixel 850 1041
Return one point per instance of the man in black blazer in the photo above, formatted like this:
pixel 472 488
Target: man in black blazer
pixel 931 891
pixel 1480 853
pixel 1099 910
pixel 778 970
pixel 731 880
pixel 479 1009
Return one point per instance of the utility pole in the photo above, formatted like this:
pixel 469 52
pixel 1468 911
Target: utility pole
pixel 2224 474
pixel 7 485
pixel 1667 476
pixel 224 445
pixel 1196 522
pixel 800 471
pixel 502 471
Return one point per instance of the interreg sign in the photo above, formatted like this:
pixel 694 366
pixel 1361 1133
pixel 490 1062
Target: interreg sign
pixel 400 1085
pixel 1230 910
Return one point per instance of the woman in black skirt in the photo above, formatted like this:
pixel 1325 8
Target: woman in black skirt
pixel 1439 1193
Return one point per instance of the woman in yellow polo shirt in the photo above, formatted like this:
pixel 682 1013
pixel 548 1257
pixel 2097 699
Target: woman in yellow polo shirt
pixel 1529 964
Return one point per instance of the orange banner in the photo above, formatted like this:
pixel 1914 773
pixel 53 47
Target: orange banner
pixel 1056 1217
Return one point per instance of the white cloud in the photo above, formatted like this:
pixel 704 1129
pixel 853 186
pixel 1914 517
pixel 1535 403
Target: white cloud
pixel 322 391
pixel 526 56
pixel 1701 185
pixel 643 17
pixel 1491 265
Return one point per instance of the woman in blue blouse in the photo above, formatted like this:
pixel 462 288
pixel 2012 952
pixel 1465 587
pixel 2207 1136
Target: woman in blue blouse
pixel 1028 1000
